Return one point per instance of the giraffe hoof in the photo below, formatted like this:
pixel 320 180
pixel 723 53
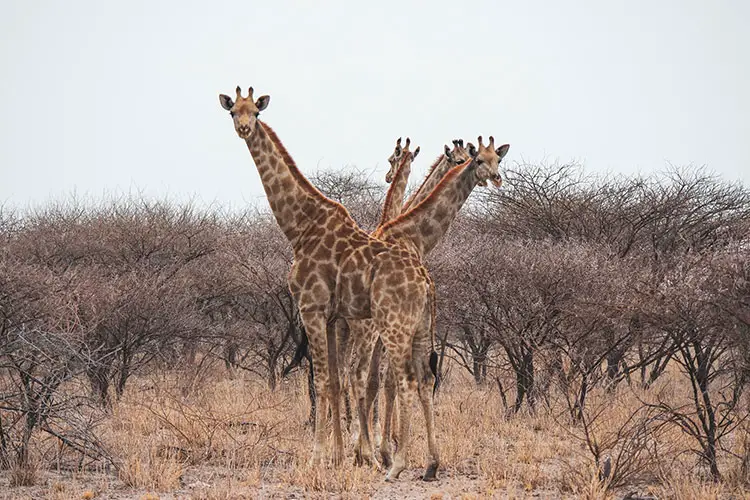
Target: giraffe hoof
pixel 393 474
pixel 431 473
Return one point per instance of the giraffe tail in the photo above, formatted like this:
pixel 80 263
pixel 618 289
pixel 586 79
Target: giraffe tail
pixel 433 322
pixel 300 354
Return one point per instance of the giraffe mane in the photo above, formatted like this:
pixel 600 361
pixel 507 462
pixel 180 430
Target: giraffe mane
pixel 434 164
pixel 389 195
pixel 426 178
pixel 302 181
pixel 447 178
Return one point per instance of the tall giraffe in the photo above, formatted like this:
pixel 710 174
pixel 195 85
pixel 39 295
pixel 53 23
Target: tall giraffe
pixel 339 271
pixel 392 208
pixel 420 229
pixel 398 177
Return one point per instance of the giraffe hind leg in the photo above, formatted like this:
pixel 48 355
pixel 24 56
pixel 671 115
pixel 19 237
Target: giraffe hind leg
pixel 425 360
pixel 406 383
pixel 386 443
pixel 365 336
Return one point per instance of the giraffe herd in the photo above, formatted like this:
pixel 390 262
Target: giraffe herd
pixel 370 293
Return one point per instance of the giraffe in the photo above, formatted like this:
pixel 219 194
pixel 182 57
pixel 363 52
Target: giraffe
pixel 392 208
pixel 420 229
pixel 398 176
pixel 339 271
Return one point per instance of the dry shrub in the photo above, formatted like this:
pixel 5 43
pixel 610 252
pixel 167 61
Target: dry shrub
pixel 620 438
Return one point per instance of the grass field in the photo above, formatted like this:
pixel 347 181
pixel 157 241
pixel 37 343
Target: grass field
pixel 230 437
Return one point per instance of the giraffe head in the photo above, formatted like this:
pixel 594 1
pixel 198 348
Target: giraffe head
pixel 458 154
pixel 487 161
pixel 244 110
pixel 397 156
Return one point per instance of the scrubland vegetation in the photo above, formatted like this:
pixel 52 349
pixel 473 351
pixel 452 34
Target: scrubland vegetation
pixel 593 338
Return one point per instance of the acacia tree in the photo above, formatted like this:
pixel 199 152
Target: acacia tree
pixel 128 258
pixel 592 328
pixel 684 307
pixel 265 320
pixel 461 332
pixel 516 298
pixel 39 351
pixel 354 189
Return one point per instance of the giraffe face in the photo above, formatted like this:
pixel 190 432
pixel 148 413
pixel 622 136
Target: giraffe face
pixel 244 111
pixel 487 161
pixel 459 154
pixel 399 155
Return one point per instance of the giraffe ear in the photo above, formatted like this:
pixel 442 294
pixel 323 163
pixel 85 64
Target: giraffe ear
pixel 226 101
pixel 502 151
pixel 262 102
pixel 415 153
pixel 472 150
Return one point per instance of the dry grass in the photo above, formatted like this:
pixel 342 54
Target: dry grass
pixel 229 438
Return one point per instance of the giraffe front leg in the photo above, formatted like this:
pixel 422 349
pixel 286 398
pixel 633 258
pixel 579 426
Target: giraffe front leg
pixel 377 433
pixel 315 326
pixel 334 392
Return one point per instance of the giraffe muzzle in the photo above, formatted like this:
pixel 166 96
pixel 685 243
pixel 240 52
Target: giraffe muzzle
pixel 243 131
pixel 496 180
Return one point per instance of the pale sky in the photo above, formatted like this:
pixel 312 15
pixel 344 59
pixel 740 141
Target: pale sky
pixel 99 97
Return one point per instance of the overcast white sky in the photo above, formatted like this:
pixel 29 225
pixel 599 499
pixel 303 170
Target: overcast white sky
pixel 98 97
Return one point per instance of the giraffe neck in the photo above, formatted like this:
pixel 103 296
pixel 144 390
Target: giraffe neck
pixel 295 202
pixel 395 196
pixel 432 179
pixel 426 224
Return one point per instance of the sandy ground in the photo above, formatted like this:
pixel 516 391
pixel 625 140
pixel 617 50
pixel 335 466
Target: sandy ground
pixel 216 483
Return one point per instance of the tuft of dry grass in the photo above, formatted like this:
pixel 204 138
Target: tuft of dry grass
pixel 23 476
